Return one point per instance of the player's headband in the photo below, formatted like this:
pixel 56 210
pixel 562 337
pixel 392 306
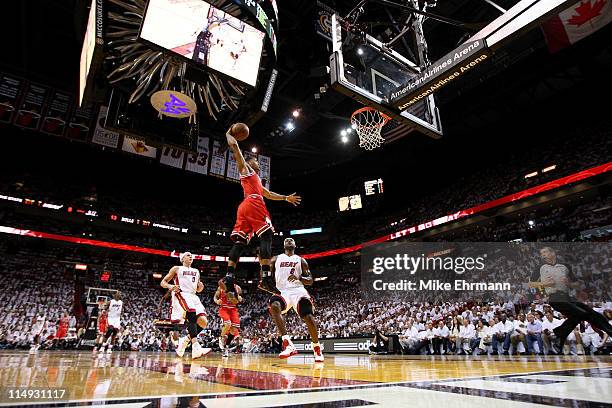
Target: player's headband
pixel 183 255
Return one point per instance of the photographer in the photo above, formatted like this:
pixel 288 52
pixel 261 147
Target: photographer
pixel 381 343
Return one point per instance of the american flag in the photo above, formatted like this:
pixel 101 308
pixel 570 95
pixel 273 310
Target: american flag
pixel 395 130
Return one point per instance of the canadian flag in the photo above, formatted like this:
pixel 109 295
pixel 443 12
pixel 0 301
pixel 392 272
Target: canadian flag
pixel 575 23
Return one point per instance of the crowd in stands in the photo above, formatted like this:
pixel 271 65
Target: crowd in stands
pixel 40 281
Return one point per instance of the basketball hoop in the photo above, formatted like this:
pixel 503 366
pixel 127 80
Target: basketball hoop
pixel 368 123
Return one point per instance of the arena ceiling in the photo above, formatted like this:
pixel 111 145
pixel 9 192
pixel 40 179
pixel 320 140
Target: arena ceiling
pixel 503 98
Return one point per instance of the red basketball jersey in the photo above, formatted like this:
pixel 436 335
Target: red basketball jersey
pixel 225 301
pixel 251 184
pixel 102 322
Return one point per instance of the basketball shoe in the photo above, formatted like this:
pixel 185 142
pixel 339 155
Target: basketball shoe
pixel 288 349
pixel 318 354
pixel 198 351
pixel 182 345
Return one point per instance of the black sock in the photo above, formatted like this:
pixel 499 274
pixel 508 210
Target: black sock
pixel 230 271
pixel 265 271
pixel 230 337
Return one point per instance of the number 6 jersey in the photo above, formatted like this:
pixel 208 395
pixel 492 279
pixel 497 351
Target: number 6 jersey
pixel 284 267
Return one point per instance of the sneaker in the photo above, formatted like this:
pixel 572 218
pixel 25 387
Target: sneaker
pixel 198 351
pixel 221 343
pixel 226 352
pixel 318 355
pixel 182 345
pixel 289 351
pixel 267 284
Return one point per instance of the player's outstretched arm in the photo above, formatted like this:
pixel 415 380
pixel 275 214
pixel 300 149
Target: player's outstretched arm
pixel 233 145
pixel 165 283
pixel 306 278
pixel 291 198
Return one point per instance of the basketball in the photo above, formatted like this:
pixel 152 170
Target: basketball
pixel 240 131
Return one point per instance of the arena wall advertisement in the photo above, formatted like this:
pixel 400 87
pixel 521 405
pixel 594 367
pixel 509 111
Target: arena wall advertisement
pixel 360 345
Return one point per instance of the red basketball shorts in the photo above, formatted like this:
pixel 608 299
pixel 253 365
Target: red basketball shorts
pixel 252 218
pixel 230 315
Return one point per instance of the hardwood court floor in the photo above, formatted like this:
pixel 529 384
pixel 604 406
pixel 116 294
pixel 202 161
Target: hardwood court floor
pixel 142 379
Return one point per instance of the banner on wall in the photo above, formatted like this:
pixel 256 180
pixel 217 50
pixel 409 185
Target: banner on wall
pixel 10 91
pixel 232 169
pixel 218 160
pixel 30 109
pixel 139 147
pixel 79 124
pixel 264 170
pixel 198 162
pixel 103 136
pixel 172 157
pixel 56 114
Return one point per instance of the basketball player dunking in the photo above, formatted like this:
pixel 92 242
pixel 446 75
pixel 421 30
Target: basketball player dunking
pixel 228 312
pixel 292 273
pixel 253 218
pixel 184 299
pixel 115 307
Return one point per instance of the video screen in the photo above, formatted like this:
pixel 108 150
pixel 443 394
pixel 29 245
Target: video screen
pixel 206 35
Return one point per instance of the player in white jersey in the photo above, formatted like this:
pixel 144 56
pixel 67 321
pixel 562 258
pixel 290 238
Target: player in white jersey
pixel 185 301
pixel 38 326
pixel 114 309
pixel 291 273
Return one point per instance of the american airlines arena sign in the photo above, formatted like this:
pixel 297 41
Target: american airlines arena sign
pixel 441 73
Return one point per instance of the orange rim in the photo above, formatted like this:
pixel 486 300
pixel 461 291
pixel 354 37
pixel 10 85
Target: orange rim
pixel 369 108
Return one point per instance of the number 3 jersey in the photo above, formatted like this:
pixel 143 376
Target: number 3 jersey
pixel 187 279
pixel 186 300
pixel 286 266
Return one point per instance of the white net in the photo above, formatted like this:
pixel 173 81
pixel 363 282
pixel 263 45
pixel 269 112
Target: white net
pixel 368 123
